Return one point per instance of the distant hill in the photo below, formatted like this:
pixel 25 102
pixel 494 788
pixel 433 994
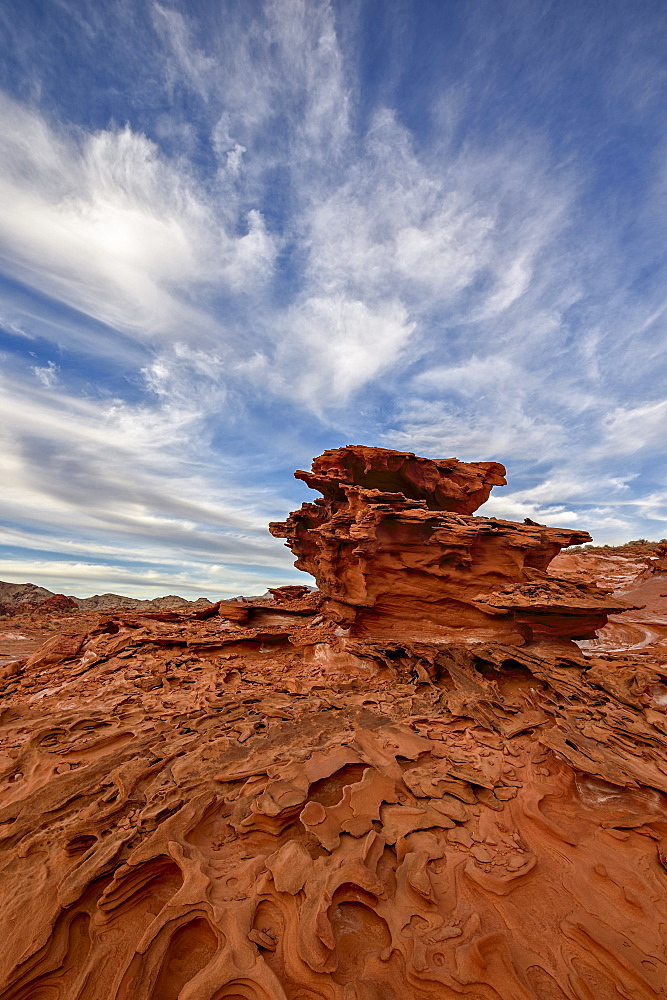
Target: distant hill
pixel 16 598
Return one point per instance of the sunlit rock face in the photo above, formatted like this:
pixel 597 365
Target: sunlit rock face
pixel 396 554
pixel 280 798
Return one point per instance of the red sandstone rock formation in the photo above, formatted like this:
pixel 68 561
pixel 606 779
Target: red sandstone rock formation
pixel 56 602
pixel 636 572
pixel 396 554
pixel 249 801
pixel 59 602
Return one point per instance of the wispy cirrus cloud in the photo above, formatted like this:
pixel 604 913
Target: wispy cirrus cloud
pixel 107 225
pixel 110 481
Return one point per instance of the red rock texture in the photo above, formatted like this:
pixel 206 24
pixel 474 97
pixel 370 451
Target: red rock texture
pixel 636 572
pixel 442 484
pixel 57 603
pixel 396 554
pixel 249 801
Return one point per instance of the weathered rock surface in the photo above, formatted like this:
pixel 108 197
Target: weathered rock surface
pixel 396 554
pixel 638 573
pixel 250 801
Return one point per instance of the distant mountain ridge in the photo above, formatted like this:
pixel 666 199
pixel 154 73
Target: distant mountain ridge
pixel 24 597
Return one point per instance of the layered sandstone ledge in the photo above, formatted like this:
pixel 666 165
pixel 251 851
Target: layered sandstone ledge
pixel 396 554
pixel 289 798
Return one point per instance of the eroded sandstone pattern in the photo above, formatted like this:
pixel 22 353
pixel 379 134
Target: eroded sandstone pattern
pixel 409 783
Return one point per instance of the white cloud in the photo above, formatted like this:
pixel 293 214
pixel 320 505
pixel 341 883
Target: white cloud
pixel 387 236
pixel 629 429
pixel 509 508
pixel 47 374
pixel 199 69
pixel 191 580
pixel 132 482
pixel 104 223
pixel 472 378
pixel 334 345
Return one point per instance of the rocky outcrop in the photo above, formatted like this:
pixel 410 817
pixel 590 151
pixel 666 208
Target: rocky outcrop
pixel 115 602
pixel 250 801
pixel 16 595
pixel 21 598
pixel 59 602
pixel 396 554
pixel 56 602
pixel 443 484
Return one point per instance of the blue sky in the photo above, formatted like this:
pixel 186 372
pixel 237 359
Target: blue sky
pixel 235 233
